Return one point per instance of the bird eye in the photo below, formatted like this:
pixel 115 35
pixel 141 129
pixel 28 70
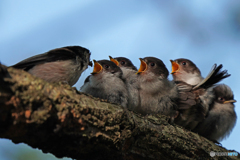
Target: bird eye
pixel 106 66
pixel 152 64
pixel 221 99
pixel 122 62
pixel 184 63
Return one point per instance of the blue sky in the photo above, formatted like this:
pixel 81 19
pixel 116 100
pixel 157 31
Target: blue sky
pixel 206 32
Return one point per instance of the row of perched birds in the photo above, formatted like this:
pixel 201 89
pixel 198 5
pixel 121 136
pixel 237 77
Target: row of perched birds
pixel 191 101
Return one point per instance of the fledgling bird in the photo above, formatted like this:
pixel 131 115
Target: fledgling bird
pixel 157 93
pixel 195 92
pixel 186 71
pixel 106 83
pixel 221 118
pixel 126 66
pixel 130 79
pixel 64 64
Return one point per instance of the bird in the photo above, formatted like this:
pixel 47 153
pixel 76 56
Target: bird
pixel 64 64
pixel 105 82
pixel 158 95
pixel 125 64
pixel 195 92
pixel 186 71
pixel 221 118
pixel 130 79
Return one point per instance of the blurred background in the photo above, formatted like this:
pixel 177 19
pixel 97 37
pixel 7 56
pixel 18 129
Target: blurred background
pixel 204 31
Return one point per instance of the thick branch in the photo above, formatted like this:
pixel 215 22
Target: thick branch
pixel 60 120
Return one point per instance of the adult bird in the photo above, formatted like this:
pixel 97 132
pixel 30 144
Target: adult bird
pixel 64 64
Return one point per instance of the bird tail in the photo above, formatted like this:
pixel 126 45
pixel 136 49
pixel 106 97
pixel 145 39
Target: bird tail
pixel 215 76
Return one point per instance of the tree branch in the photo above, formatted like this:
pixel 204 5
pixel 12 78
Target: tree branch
pixel 60 120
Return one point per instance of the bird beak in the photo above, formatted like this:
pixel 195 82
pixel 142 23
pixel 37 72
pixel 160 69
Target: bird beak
pixel 114 60
pixel 143 66
pixel 90 63
pixel 230 101
pixel 175 67
pixel 97 67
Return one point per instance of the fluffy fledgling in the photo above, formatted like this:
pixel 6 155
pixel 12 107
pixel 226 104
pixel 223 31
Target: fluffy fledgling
pixel 106 82
pixel 221 118
pixel 64 64
pixel 195 92
pixel 157 93
pixel 186 71
pixel 126 66
pixel 130 79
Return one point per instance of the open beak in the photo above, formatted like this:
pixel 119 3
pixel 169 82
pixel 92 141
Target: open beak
pixel 230 101
pixel 97 67
pixel 114 60
pixel 90 63
pixel 175 67
pixel 143 66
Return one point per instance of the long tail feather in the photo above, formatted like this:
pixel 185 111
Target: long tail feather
pixel 215 76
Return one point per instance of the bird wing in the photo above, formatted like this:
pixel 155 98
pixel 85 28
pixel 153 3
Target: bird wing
pixel 186 98
pixel 50 56
pixel 190 106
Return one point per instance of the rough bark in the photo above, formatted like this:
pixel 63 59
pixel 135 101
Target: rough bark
pixel 60 120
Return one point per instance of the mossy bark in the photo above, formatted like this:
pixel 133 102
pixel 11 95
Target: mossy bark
pixel 58 119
